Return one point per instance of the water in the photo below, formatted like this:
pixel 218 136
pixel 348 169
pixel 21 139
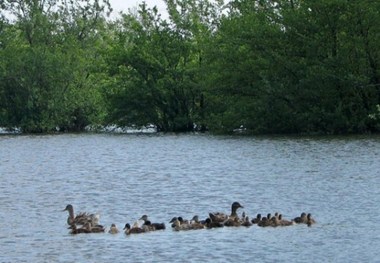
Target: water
pixel 125 176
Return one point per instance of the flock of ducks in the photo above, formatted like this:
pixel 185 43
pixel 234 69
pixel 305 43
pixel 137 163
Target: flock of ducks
pixel 89 223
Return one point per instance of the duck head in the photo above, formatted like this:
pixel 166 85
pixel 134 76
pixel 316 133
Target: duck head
pixel 173 219
pixel 235 206
pixel 68 208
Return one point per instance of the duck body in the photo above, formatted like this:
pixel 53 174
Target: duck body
pixel 301 219
pixel 222 218
pixel 257 219
pixel 264 222
pixel 210 224
pixel 81 218
pixel 86 229
pixel 232 222
pixel 128 230
pixel 113 229
pixel 152 226
pixel 284 222
pixel 246 222
pixel 81 230
pixel 178 226
pixel 310 221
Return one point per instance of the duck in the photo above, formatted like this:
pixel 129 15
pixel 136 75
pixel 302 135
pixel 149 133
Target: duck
pixel 195 220
pixel 177 226
pixel 269 216
pixel 301 219
pixel 180 219
pixel 87 228
pixel 246 222
pixel 94 228
pixel 284 222
pixel 128 230
pixel 172 221
pixel 152 226
pixel 75 230
pixel 81 218
pixel 113 229
pixel 310 221
pixel 257 219
pixel 232 221
pixel 210 224
pixel 221 217
pixel 264 222
pixel 274 221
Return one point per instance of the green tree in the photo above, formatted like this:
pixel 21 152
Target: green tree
pixel 155 65
pixel 48 73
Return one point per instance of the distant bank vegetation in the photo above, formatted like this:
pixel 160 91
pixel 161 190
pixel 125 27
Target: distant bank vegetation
pixel 285 67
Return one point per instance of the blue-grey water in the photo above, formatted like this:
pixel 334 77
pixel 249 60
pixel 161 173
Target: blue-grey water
pixel 122 177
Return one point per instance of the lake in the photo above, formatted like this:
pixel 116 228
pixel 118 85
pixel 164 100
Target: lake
pixel 123 176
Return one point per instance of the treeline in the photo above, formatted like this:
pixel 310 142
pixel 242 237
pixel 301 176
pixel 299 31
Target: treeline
pixel 287 66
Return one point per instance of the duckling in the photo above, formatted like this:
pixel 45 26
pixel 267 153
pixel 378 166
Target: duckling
pixel 147 226
pixel 257 219
pixel 153 226
pixel 221 217
pixel 247 222
pixel 233 221
pixel 301 219
pixel 132 230
pixel 113 229
pixel 180 227
pixel 81 218
pixel 94 228
pixel 183 221
pixel 284 222
pixel 75 230
pixel 269 216
pixel 196 224
pixel 310 221
pixel 264 222
pixel 274 222
pixel 172 221
pixel 210 224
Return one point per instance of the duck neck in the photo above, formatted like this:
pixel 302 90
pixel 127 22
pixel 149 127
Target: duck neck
pixel 233 211
pixel 71 213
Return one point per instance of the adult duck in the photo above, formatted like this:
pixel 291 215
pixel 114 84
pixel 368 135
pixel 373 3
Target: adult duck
pixel 221 217
pixel 81 218
pixel 153 226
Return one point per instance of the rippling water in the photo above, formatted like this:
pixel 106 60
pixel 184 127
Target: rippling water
pixel 125 176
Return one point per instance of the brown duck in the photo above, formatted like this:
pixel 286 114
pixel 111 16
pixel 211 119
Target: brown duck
pixel 221 217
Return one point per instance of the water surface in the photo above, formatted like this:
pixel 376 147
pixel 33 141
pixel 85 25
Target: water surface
pixel 125 176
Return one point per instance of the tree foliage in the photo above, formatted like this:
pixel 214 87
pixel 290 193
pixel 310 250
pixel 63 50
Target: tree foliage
pixel 286 66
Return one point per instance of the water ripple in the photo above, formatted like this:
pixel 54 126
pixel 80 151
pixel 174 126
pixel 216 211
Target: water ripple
pixel 125 176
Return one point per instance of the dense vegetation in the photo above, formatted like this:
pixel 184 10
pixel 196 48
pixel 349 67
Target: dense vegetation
pixel 286 66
